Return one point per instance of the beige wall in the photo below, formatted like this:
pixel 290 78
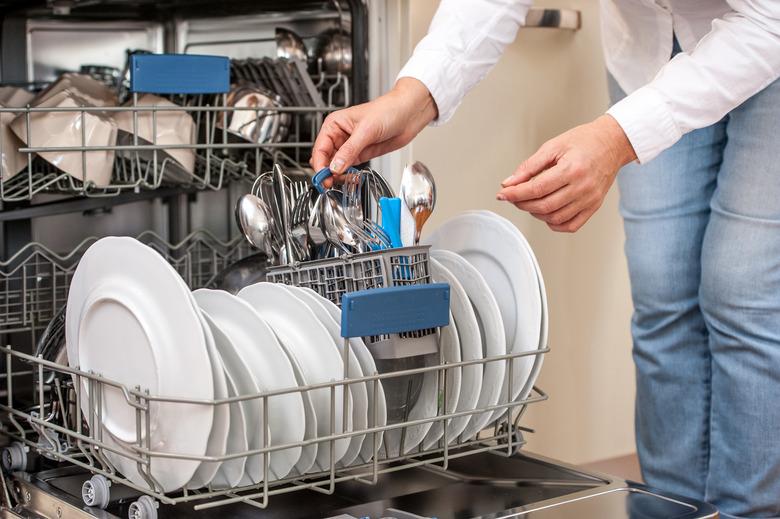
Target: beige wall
pixel 547 82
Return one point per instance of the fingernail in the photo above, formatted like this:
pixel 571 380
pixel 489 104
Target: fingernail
pixel 500 197
pixel 507 179
pixel 337 165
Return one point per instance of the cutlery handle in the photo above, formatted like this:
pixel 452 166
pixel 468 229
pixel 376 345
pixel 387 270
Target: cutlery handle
pixel 379 311
pixel 324 173
pixel 391 219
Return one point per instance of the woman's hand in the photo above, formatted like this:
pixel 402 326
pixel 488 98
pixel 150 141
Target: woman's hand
pixel 365 131
pixel 565 182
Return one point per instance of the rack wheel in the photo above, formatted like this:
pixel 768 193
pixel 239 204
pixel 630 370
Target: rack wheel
pixel 14 457
pixel 144 508
pixel 96 492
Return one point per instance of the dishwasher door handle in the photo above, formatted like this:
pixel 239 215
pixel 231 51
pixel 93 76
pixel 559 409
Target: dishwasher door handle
pixel 568 19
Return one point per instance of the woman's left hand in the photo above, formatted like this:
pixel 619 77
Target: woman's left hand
pixel 565 182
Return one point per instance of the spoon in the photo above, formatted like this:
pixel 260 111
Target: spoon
pixel 418 190
pixel 335 223
pixel 254 218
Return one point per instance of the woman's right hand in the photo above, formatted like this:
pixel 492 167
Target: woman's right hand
pixel 360 133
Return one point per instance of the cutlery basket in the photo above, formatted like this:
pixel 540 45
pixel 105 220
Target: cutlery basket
pixel 334 277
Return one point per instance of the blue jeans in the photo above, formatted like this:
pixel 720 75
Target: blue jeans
pixel 702 226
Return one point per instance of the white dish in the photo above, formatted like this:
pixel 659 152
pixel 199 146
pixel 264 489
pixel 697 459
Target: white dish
pixel 505 260
pixel 544 325
pixel 129 319
pixel 470 340
pixel 260 349
pixel 319 358
pixel 218 438
pixel 240 382
pixel 174 128
pixel 449 343
pixel 64 129
pixel 358 392
pixel 377 406
pixel 493 338
pixel 12 161
pixel 231 472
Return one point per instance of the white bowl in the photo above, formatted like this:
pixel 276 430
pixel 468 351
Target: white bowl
pixel 173 128
pixel 64 129
pixel 11 161
pixel 90 90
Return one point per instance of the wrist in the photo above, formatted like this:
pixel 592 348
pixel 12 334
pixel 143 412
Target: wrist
pixel 621 145
pixel 417 98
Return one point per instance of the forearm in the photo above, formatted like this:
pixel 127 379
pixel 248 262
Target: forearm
pixel 737 59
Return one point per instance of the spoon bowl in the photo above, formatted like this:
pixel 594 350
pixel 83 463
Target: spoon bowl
pixel 418 190
pixel 256 222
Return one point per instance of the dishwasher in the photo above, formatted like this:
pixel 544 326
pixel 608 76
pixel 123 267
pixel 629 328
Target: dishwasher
pixel 63 187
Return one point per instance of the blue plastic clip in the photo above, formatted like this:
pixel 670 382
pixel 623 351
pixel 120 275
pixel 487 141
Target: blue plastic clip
pixel 179 74
pixel 401 309
pixel 324 173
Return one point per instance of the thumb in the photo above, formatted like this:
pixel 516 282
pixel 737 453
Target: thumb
pixel 349 152
pixel 533 165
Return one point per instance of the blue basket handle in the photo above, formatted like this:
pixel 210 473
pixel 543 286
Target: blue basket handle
pixel 381 311
pixel 324 173
pixel 179 74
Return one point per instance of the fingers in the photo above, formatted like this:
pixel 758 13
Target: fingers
pixel 536 187
pixel 576 222
pixel 349 152
pixel 331 136
pixel 549 204
pixel 533 165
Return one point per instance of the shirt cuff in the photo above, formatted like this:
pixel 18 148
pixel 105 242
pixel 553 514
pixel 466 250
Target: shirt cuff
pixel 647 122
pixel 437 72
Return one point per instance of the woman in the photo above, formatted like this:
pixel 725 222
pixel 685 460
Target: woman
pixel 694 127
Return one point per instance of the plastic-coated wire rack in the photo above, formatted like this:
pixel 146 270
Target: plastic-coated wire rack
pixel 220 155
pixel 54 427
pixel 34 282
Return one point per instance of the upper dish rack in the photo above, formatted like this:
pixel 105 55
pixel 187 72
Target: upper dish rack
pixel 235 132
pixel 34 282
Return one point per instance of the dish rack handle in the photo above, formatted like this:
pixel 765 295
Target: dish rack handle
pixel 179 74
pixel 380 311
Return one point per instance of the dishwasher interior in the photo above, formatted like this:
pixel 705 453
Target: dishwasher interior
pixel 51 215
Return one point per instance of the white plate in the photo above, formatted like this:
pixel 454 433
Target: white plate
pixel 493 338
pixel 449 342
pixel 258 346
pixel 310 343
pixel 240 382
pixel 218 438
pixel 545 325
pixel 129 318
pixel 470 340
pixel 376 399
pixel 501 255
pixel 358 392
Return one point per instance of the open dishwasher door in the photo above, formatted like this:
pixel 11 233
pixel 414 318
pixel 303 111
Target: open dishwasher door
pixel 481 486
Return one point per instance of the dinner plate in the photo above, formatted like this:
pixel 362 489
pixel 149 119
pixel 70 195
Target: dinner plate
pixel 493 338
pixel 310 343
pixel 358 391
pixel 502 256
pixel 256 343
pixel 377 406
pixel 470 340
pixel 545 324
pixel 232 471
pixel 449 343
pixel 129 319
pixel 218 438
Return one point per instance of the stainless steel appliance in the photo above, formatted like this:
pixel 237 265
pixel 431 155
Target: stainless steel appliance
pixel 49 217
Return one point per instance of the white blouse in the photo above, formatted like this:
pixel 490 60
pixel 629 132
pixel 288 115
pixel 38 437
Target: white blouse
pixel 731 51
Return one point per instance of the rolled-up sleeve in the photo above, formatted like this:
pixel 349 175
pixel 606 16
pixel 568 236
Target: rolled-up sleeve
pixel 738 58
pixel 465 40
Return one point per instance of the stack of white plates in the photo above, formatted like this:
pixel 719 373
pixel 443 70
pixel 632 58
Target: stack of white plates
pixel 131 319
pixel 498 305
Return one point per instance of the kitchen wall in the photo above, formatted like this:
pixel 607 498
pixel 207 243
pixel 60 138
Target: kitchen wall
pixel 547 82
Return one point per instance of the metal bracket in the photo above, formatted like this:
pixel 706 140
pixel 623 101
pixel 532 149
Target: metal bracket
pixel 569 19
